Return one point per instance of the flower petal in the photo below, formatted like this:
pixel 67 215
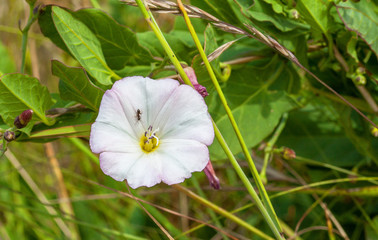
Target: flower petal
pixel 117 165
pixel 145 94
pixel 146 171
pixel 180 158
pixel 108 138
pixel 185 116
pixel 111 126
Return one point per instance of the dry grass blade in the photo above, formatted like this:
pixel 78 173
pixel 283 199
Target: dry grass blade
pixel 37 191
pixel 171 7
pixel 220 50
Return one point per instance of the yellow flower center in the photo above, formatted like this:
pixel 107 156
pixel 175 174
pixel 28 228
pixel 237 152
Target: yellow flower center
pixel 149 141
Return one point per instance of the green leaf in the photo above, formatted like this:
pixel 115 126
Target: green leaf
pixel 49 30
pixel 66 131
pixel 210 46
pixel 361 18
pixel 257 110
pixel 263 12
pixel 277 6
pixel 314 132
pixel 20 92
pixel 119 44
pixel 75 85
pixel 135 71
pixel 83 45
pixel 315 13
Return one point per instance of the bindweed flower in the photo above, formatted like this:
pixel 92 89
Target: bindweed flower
pixel 151 131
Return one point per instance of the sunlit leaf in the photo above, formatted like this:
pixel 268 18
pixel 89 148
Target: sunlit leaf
pixel 20 92
pixel 83 45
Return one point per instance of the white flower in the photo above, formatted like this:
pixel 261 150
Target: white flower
pixel 148 131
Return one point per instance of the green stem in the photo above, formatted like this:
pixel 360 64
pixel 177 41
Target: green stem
pixel 25 32
pixel 270 144
pixel 95 4
pixel 155 28
pixel 247 183
pixel 277 229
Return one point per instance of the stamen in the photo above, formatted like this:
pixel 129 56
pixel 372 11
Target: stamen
pixel 147 142
pixel 157 140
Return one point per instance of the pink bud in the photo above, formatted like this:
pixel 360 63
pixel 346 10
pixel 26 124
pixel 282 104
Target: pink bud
pixel 213 179
pixel 193 79
pixel 288 153
pixel 23 119
pixel 9 136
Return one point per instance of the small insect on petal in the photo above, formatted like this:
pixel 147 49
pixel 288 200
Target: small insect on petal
pixel 138 114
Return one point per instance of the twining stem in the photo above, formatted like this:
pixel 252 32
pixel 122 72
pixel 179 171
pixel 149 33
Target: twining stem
pixel 272 221
pixel 32 18
pixel 246 152
pixel 271 143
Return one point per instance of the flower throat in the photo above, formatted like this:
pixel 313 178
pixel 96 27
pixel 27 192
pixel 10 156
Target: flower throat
pixel 149 141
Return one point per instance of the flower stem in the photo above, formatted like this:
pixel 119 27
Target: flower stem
pixel 256 176
pixel 270 144
pixel 247 183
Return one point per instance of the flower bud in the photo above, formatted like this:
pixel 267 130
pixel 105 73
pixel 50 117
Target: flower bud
pixel 9 136
pixel 193 79
pixel 201 90
pixel 361 70
pixel 288 153
pixel 210 174
pixel 374 131
pixel 294 14
pixel 23 119
pixel 360 80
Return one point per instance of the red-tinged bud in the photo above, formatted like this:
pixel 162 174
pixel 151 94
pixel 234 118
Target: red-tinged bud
pixel 23 119
pixel 374 131
pixel 193 79
pixel 201 90
pixel 9 136
pixel 288 154
pixel 210 174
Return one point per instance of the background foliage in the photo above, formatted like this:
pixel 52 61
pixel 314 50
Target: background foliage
pixel 76 51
